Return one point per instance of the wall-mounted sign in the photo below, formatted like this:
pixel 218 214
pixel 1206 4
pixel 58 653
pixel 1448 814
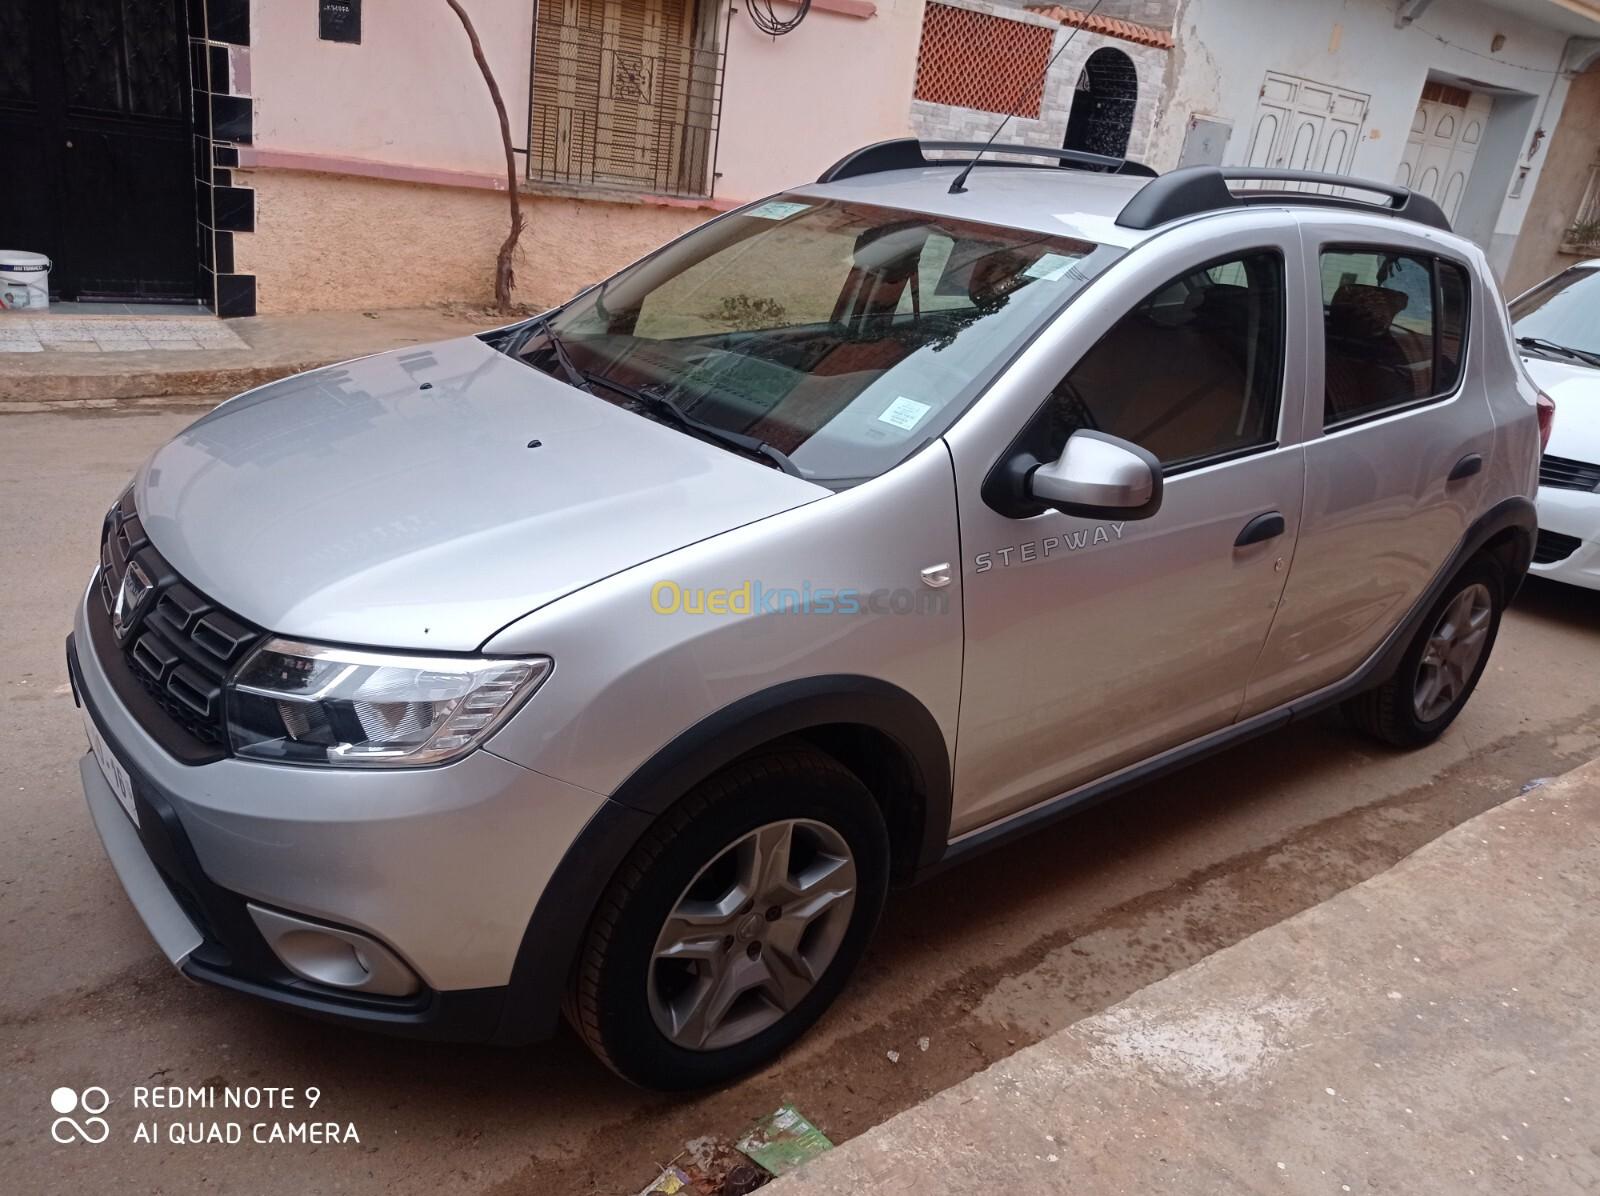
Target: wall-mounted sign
pixel 339 20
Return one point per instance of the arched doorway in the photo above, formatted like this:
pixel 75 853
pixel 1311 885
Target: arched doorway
pixel 1102 107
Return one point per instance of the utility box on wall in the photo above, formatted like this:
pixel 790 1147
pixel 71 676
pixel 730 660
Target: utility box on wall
pixel 1204 141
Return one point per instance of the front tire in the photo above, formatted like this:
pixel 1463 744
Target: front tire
pixel 734 923
pixel 1441 667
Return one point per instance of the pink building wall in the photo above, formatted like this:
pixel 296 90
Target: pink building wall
pixel 371 158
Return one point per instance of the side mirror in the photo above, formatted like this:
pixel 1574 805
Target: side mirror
pixel 1099 477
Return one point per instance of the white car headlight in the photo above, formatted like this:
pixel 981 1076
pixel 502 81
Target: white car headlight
pixel 308 704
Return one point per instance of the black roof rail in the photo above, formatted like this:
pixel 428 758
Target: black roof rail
pixel 1196 189
pixel 905 153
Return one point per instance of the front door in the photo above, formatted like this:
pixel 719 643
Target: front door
pixel 1094 643
pixel 94 114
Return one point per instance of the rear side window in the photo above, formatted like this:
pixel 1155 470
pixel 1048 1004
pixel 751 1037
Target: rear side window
pixel 1193 373
pixel 1395 325
pixel 1453 291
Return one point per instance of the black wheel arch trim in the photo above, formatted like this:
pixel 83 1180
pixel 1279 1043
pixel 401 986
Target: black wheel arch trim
pixel 554 935
pixel 791 708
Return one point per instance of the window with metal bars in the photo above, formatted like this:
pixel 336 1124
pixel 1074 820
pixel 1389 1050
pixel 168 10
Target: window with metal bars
pixel 627 94
pixel 1583 234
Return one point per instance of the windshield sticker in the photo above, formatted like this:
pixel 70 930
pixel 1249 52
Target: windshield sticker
pixel 777 209
pixel 1049 267
pixel 904 413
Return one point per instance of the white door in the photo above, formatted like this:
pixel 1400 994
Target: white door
pixel 1304 125
pixel 1441 148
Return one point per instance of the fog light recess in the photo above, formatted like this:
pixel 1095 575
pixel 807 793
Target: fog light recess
pixel 334 956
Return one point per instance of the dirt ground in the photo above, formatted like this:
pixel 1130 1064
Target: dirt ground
pixel 979 962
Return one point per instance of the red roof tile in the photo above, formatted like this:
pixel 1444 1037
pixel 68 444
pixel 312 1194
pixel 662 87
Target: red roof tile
pixel 1128 31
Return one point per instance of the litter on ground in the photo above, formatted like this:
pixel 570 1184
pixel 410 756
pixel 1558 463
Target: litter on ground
pixel 783 1140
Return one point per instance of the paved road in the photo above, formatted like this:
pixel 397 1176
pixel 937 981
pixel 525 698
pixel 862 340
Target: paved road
pixel 980 962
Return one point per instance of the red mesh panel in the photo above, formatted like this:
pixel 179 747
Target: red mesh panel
pixel 975 60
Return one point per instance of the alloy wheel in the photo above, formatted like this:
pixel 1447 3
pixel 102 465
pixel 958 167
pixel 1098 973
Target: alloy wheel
pixel 752 934
pixel 1452 652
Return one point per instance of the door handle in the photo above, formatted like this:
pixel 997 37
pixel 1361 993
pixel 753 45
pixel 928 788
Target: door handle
pixel 1262 527
pixel 1466 467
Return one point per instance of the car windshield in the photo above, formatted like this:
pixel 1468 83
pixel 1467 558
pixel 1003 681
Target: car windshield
pixel 833 337
pixel 1563 312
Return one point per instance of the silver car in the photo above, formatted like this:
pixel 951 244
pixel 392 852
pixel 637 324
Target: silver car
pixel 619 661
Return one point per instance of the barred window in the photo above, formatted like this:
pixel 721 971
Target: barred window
pixel 977 60
pixel 627 94
pixel 1584 231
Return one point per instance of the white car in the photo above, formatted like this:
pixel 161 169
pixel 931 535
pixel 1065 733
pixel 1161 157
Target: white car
pixel 1558 333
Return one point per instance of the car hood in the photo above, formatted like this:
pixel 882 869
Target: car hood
pixel 400 501
pixel 1575 390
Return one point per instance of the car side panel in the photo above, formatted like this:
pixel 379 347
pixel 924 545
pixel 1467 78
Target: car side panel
pixel 1083 660
pixel 1380 517
pixel 1513 396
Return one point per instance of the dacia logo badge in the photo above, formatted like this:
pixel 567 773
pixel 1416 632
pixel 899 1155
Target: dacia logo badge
pixel 130 594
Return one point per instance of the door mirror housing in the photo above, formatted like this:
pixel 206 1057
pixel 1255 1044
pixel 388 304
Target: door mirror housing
pixel 1099 477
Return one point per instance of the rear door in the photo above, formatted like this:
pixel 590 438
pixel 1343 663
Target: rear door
pixel 1395 409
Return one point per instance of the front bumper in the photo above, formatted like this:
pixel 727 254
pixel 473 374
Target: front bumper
pixel 443 865
pixel 1574 513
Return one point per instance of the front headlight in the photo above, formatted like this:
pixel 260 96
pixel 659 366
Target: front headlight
pixel 309 704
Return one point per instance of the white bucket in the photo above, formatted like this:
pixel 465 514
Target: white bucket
pixel 24 280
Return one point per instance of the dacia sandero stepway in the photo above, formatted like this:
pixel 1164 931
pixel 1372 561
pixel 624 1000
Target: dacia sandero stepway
pixel 617 662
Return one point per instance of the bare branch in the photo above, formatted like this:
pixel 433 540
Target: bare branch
pixel 504 276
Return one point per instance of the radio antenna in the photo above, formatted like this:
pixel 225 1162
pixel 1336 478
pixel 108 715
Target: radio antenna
pixel 958 186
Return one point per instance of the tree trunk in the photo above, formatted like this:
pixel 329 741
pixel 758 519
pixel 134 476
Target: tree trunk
pixel 504 275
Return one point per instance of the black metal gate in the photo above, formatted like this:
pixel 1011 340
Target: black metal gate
pixel 98 149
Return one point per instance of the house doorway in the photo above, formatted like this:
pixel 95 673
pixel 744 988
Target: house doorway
pixel 1443 144
pixel 95 115
pixel 1301 124
pixel 1102 107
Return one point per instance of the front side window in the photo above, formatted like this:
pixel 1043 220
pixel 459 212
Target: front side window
pixel 1193 373
pixel 1395 330
pixel 841 335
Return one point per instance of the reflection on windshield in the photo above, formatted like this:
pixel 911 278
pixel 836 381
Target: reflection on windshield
pixel 1564 311
pixel 843 335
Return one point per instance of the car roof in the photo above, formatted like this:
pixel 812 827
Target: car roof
pixel 1056 201
pixel 1071 203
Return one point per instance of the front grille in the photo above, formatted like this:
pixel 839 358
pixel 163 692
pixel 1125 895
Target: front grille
pixel 177 643
pixel 1567 474
pixel 1551 547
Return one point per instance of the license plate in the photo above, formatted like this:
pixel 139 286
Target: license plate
pixel 116 776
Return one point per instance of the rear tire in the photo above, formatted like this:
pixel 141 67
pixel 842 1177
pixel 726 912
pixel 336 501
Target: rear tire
pixel 734 923
pixel 1441 667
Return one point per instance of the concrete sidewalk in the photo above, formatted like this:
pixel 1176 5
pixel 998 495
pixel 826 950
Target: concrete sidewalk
pixel 272 347
pixel 1435 1029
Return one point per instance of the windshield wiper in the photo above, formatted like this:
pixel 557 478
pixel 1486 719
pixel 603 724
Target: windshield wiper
pixel 1536 342
pixel 563 358
pixel 729 439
